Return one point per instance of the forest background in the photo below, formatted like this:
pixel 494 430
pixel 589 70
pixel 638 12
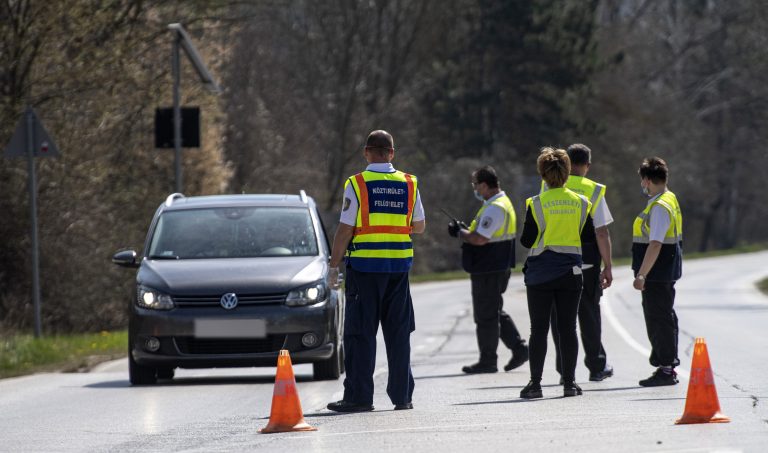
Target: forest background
pixel 459 83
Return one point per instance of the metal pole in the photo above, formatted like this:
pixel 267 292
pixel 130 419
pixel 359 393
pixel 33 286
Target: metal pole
pixel 176 68
pixel 33 216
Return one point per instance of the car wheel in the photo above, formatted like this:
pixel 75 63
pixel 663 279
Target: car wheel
pixel 139 374
pixel 331 368
pixel 165 373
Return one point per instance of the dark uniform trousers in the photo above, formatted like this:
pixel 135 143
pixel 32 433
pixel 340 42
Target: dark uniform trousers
pixel 661 322
pixel 559 297
pixel 491 321
pixel 373 298
pixel 589 323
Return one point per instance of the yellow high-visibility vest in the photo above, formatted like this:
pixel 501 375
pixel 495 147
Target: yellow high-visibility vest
pixel 560 215
pixel 641 229
pixel 382 241
pixel 594 191
pixel 508 231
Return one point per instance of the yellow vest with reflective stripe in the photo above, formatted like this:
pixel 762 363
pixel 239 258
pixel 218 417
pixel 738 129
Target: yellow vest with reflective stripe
pixel 641 229
pixel 382 241
pixel 595 192
pixel 560 215
pixel 509 229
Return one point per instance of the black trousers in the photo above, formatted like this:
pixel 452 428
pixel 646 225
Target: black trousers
pixel 590 323
pixel 661 322
pixel 561 297
pixel 491 321
pixel 373 298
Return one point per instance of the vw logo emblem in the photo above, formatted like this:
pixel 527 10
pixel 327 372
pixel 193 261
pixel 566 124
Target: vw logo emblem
pixel 229 301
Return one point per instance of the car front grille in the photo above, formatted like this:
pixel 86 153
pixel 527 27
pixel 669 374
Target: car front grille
pixel 192 345
pixel 242 300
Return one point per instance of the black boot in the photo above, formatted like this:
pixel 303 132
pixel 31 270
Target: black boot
pixel 532 390
pixel 479 368
pixel 571 389
pixel 519 357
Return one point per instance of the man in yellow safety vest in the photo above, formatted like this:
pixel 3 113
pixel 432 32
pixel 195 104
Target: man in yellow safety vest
pixel 381 209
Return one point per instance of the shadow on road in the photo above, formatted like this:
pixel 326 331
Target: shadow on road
pixel 514 401
pixel 506 387
pixel 613 389
pixel 659 399
pixel 375 412
pixel 440 376
pixel 187 381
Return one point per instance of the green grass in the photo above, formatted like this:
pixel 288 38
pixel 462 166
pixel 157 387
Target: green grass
pixel 759 247
pixel 24 354
pixel 620 261
pixel 762 285
pixel 438 276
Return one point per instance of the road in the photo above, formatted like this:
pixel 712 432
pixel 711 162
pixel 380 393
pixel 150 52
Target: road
pixel 222 410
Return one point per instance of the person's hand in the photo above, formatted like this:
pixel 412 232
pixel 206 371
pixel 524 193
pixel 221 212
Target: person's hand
pixel 333 278
pixel 606 278
pixel 453 228
pixel 639 283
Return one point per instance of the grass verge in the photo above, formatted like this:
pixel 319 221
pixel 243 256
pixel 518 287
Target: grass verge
pixel 25 354
pixel 762 285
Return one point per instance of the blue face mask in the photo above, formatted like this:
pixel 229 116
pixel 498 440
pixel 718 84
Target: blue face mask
pixel 478 196
pixel 645 190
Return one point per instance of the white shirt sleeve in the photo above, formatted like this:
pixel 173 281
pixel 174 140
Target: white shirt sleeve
pixel 603 215
pixel 660 222
pixel 418 210
pixel 349 208
pixel 491 220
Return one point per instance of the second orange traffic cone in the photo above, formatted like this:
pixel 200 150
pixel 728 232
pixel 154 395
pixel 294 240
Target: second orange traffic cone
pixel 701 404
pixel 286 414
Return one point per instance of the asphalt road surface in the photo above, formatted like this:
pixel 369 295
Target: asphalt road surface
pixel 222 410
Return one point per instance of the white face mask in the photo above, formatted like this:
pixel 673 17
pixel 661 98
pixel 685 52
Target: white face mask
pixel 478 196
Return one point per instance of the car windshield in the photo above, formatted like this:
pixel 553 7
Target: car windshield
pixel 233 233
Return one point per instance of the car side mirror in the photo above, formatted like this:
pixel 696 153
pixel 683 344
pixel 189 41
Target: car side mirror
pixel 125 258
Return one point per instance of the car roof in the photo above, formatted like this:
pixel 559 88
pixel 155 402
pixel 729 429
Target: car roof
pixel 180 202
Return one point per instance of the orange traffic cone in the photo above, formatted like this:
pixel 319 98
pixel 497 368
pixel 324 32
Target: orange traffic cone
pixel 701 404
pixel 286 412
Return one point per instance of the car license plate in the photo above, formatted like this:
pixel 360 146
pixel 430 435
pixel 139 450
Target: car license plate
pixel 230 328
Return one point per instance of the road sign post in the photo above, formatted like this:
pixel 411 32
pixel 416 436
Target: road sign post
pixel 176 67
pixel 33 219
pixel 30 139
pixel 181 40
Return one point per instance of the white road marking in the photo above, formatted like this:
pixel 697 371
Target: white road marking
pixel 624 334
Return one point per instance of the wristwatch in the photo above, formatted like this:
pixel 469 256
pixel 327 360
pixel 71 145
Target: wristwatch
pixel 640 277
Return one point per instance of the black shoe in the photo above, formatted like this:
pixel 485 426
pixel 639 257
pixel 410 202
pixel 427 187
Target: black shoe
pixel 479 368
pixel 532 390
pixel 659 378
pixel 519 357
pixel 571 389
pixel 346 406
pixel 600 375
pixel 403 407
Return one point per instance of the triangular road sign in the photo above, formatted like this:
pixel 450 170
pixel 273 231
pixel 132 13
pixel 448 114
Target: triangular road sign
pixel 42 143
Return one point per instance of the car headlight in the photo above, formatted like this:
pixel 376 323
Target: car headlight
pixel 153 299
pixel 307 295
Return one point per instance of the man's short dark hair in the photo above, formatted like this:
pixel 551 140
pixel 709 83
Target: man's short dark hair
pixel 579 154
pixel 487 175
pixel 380 141
pixel 655 169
